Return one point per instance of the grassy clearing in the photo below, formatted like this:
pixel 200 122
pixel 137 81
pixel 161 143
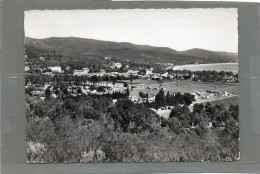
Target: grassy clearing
pixel 184 86
pixel 227 101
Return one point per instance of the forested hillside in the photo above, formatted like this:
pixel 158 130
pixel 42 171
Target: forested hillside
pixel 124 50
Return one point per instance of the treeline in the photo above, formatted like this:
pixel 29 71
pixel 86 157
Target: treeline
pixel 93 129
pixel 41 79
pixel 205 76
pixel 162 100
pixel 202 115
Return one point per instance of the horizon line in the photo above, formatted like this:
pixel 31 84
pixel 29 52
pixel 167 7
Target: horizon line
pixel 131 43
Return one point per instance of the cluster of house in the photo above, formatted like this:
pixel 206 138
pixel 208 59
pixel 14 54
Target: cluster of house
pixel 85 71
pixel 149 74
pixel 213 94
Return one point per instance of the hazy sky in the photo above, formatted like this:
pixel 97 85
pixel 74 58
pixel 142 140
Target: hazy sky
pixel 180 29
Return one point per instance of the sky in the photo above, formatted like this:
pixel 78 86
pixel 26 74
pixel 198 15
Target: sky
pixel 179 29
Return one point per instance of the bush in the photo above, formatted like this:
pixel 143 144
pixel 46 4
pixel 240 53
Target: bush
pixel 101 89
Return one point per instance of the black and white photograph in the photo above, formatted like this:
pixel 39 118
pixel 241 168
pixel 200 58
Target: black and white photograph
pixel 131 85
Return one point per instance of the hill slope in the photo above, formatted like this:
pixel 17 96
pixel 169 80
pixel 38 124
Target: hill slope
pixel 124 50
pixel 209 54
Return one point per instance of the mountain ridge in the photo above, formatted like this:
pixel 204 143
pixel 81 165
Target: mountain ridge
pixel 130 51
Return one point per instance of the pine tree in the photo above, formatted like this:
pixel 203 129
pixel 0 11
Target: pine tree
pixel 168 98
pixel 159 98
pixel 47 92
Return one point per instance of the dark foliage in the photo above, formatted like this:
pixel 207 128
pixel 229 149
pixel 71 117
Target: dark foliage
pixel 92 129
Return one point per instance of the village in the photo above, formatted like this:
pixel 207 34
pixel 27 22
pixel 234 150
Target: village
pixel 142 85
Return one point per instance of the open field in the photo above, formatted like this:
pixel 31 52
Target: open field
pixel 183 86
pixel 214 66
pixel 152 88
pixel 227 101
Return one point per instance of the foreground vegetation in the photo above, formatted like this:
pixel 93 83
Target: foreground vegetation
pixel 93 129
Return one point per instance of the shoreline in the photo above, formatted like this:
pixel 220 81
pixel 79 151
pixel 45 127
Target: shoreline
pixel 210 66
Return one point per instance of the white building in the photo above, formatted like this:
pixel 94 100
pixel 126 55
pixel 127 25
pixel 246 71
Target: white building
pixel 49 73
pixel 132 72
pixel 117 65
pixel 102 71
pixel 26 68
pixel 84 71
pixel 55 68
pixel 149 71
pixel 42 58
pixel 165 75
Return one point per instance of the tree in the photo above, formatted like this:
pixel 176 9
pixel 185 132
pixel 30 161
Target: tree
pixel 65 91
pixel 114 82
pixel 168 98
pixel 208 107
pixel 159 98
pixel 188 98
pixel 131 78
pixel 143 95
pixel 179 98
pixel 182 113
pixel 28 91
pixel 101 89
pixel 174 124
pixel 79 90
pixel 47 92
pixel 85 79
pixel 125 84
pixel 198 108
pixel 57 92
pixel 232 128
pixel 132 117
pixel 176 111
pixel 127 92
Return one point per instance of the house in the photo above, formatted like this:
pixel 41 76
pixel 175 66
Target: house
pixel 26 68
pixel 194 76
pixel 84 71
pixel 179 76
pixel 48 73
pixel 149 71
pixel 116 65
pixel 228 78
pixel 186 76
pixel 102 71
pixel 42 58
pixel 165 75
pixel 146 77
pixel 77 72
pixel 132 72
pixel 155 77
pixel 170 76
pixel 55 68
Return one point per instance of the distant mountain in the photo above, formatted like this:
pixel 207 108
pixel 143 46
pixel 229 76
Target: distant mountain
pixel 124 50
pixel 210 54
